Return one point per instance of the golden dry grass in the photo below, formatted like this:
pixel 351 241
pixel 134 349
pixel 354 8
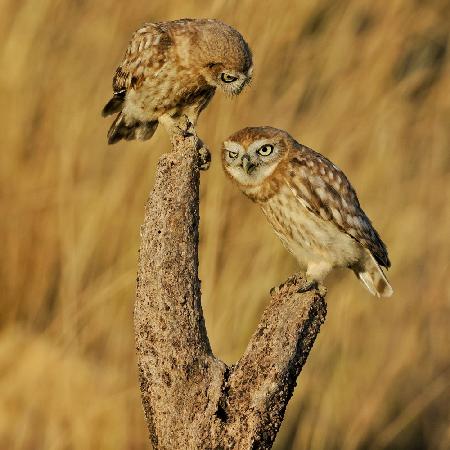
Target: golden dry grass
pixel 366 83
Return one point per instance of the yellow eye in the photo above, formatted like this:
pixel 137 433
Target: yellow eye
pixel 233 155
pixel 227 78
pixel 265 150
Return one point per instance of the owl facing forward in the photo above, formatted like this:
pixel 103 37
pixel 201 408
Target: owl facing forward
pixel 172 69
pixel 310 204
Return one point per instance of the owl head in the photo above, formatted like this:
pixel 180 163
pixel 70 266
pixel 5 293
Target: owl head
pixel 225 59
pixel 251 155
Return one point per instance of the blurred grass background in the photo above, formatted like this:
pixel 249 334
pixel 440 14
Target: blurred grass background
pixel 364 82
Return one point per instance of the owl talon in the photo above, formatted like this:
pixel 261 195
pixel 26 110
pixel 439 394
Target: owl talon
pixel 204 158
pixel 185 127
pixel 309 286
pixel 185 132
pixel 180 126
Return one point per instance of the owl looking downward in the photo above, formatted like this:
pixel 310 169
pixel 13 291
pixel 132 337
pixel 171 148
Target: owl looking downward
pixel 172 69
pixel 310 204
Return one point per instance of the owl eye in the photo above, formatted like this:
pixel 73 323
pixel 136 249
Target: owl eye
pixel 232 155
pixel 227 78
pixel 265 150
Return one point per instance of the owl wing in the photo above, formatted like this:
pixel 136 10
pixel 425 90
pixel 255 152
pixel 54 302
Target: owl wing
pixel 146 53
pixel 323 189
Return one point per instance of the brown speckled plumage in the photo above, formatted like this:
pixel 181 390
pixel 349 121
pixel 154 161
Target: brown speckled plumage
pixel 310 203
pixel 174 68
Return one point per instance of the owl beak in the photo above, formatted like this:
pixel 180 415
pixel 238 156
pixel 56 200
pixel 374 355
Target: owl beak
pixel 246 164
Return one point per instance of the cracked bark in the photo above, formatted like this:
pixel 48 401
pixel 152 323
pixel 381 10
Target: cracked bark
pixel 191 399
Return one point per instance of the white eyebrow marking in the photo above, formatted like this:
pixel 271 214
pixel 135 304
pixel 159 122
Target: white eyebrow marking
pixel 233 146
pixel 257 144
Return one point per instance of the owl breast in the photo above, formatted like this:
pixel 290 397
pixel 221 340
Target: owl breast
pixel 307 237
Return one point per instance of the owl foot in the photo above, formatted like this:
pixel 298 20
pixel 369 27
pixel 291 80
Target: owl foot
pixel 309 285
pixel 204 156
pixel 185 127
pixel 276 289
pixel 312 284
pixel 179 126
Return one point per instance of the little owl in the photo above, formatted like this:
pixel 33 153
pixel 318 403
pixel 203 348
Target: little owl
pixel 172 69
pixel 310 204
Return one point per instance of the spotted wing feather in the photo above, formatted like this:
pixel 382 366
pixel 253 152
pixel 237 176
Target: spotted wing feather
pixel 324 189
pixel 145 54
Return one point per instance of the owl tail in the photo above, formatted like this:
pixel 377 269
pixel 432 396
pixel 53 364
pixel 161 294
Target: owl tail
pixel 136 130
pixel 371 275
pixel 115 104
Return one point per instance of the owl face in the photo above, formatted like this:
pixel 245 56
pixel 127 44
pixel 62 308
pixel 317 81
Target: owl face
pixel 251 155
pixel 230 79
